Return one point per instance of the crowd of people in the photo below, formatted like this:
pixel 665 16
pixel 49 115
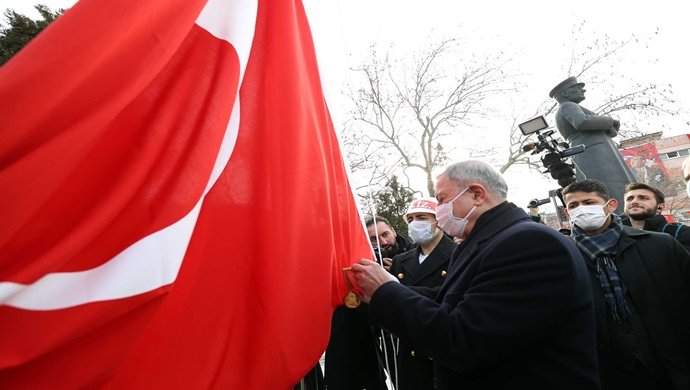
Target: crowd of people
pixel 484 296
pixel 517 304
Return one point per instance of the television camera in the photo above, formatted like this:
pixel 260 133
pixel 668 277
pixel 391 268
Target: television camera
pixel 537 202
pixel 556 153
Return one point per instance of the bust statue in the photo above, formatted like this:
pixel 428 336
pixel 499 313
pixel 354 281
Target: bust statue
pixel 601 159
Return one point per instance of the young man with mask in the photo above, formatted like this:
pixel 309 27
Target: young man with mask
pixel 423 269
pixel 641 286
pixel 643 206
pixel 515 310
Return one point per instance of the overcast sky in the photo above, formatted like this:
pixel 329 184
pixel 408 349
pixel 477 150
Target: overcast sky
pixel 539 32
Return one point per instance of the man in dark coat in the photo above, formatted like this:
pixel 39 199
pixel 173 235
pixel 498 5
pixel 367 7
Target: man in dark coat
pixel 352 360
pixel 641 285
pixel 423 269
pixel 643 207
pixel 515 310
pixel 601 160
pixel 385 240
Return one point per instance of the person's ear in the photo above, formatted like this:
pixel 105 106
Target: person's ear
pixel 660 207
pixel 613 203
pixel 478 193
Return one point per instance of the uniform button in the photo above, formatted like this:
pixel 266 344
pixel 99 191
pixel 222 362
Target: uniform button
pixel 444 273
pixel 401 276
pixel 412 353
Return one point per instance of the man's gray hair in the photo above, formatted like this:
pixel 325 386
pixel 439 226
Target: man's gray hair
pixel 480 172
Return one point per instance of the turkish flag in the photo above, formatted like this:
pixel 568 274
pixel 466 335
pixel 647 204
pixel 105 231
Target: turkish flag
pixel 174 207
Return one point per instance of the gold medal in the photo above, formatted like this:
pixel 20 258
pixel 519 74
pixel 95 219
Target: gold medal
pixel 352 301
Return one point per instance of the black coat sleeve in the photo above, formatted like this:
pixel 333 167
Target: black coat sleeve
pixel 683 236
pixel 520 289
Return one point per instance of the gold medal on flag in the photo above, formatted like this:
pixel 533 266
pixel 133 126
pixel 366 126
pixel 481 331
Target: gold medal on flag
pixel 351 300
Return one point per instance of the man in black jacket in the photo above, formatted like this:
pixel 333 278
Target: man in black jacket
pixel 423 269
pixel 515 310
pixel 385 240
pixel 643 206
pixel 641 286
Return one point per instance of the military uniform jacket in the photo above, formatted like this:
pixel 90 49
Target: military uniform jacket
pixel 515 310
pixel 415 370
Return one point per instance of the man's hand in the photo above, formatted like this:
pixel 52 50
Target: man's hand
pixel 387 262
pixel 370 276
pixel 612 132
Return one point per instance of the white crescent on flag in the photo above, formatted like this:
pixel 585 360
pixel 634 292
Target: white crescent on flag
pixel 126 275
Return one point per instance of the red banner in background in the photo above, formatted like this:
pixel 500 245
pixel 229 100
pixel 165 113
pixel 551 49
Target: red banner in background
pixel 645 164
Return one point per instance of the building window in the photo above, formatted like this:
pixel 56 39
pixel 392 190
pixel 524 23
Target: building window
pixel 674 154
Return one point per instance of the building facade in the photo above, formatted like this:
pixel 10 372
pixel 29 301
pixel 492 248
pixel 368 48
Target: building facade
pixel 658 161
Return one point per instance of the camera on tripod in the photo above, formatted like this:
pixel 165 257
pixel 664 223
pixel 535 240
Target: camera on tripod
pixel 537 202
pixel 556 152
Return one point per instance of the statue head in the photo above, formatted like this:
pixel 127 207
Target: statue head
pixel 569 90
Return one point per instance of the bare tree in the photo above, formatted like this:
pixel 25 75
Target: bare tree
pixel 408 105
pixel 365 158
pixel 636 104
pixel 391 202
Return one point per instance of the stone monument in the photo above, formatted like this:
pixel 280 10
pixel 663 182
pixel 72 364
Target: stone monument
pixel 601 159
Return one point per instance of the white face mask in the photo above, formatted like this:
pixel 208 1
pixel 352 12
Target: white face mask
pixel 590 217
pixel 449 223
pixel 421 232
pixel 687 188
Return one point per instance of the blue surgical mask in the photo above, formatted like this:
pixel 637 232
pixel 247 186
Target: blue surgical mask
pixel 421 232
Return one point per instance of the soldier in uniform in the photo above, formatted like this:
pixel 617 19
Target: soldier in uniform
pixel 423 269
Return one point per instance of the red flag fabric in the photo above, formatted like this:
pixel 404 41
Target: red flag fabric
pixel 175 210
